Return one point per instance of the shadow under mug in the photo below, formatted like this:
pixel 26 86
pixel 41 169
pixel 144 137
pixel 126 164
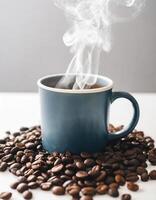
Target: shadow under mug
pixel 77 120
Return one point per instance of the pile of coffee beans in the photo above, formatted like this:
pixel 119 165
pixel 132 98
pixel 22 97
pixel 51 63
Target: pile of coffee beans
pixel 123 162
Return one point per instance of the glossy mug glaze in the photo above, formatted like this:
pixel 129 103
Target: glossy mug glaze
pixel 77 120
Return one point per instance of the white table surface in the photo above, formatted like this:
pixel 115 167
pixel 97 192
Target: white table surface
pixel 22 109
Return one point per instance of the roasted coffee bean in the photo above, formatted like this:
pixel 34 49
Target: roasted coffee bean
pixel 132 178
pixel 5 195
pixel 126 197
pixel 81 174
pixel 22 179
pixel 86 197
pixel 141 170
pixel 2 141
pixel 102 189
pixel 132 186
pixel 15 134
pixel 27 194
pixel 3 166
pixel 31 178
pixel 120 179
pixel 113 192
pixel 29 145
pixel 46 186
pixel 7 158
pixel 24 128
pixel 144 177
pixel 152 156
pixel 95 171
pixel 116 185
pixel 89 162
pixel 56 181
pixel 119 172
pixel 69 172
pixel 15 165
pixel 85 155
pixel 88 191
pixel 57 168
pixel 89 183
pixel 14 185
pixel 58 190
pixel 73 187
pixel 74 191
pixel 80 165
pixel 101 176
pixel 22 187
pixel 33 185
pixel 152 174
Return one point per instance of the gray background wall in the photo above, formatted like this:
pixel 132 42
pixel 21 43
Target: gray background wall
pixel 31 46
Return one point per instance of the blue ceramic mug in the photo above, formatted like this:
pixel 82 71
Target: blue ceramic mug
pixel 77 120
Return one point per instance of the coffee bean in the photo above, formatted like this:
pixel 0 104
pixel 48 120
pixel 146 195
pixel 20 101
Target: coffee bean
pixel 2 141
pixel 15 134
pixel 141 170
pixel 112 185
pixel 81 174
pixel 22 179
pixel 31 178
pixel 80 165
pixel 101 176
pixel 113 192
pixel 22 187
pixel 24 128
pixel 132 186
pixel 89 162
pixel 46 186
pixel 5 195
pixel 144 177
pixel 7 158
pixel 57 168
pixel 3 166
pixel 14 185
pixel 86 197
pixel 88 191
pixel 56 181
pixel 95 171
pixel 29 145
pixel 27 194
pixel 33 185
pixel 74 191
pixel 85 155
pixel 58 190
pixel 89 183
pixel 120 179
pixel 132 178
pixel 152 174
pixel 15 165
pixel 69 172
pixel 102 189
pixel 126 197
pixel 68 182
pixel 152 156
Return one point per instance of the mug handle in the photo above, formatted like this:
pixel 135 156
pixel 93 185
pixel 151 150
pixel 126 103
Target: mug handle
pixel 124 132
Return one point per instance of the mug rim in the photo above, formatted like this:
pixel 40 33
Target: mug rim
pixel 78 91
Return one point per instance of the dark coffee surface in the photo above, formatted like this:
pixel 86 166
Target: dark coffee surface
pixel 54 82
pixel 82 176
pixel 70 87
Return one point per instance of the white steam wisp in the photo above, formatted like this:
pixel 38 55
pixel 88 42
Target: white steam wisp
pixel 90 34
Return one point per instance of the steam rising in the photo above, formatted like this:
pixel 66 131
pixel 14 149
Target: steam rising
pixel 90 34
